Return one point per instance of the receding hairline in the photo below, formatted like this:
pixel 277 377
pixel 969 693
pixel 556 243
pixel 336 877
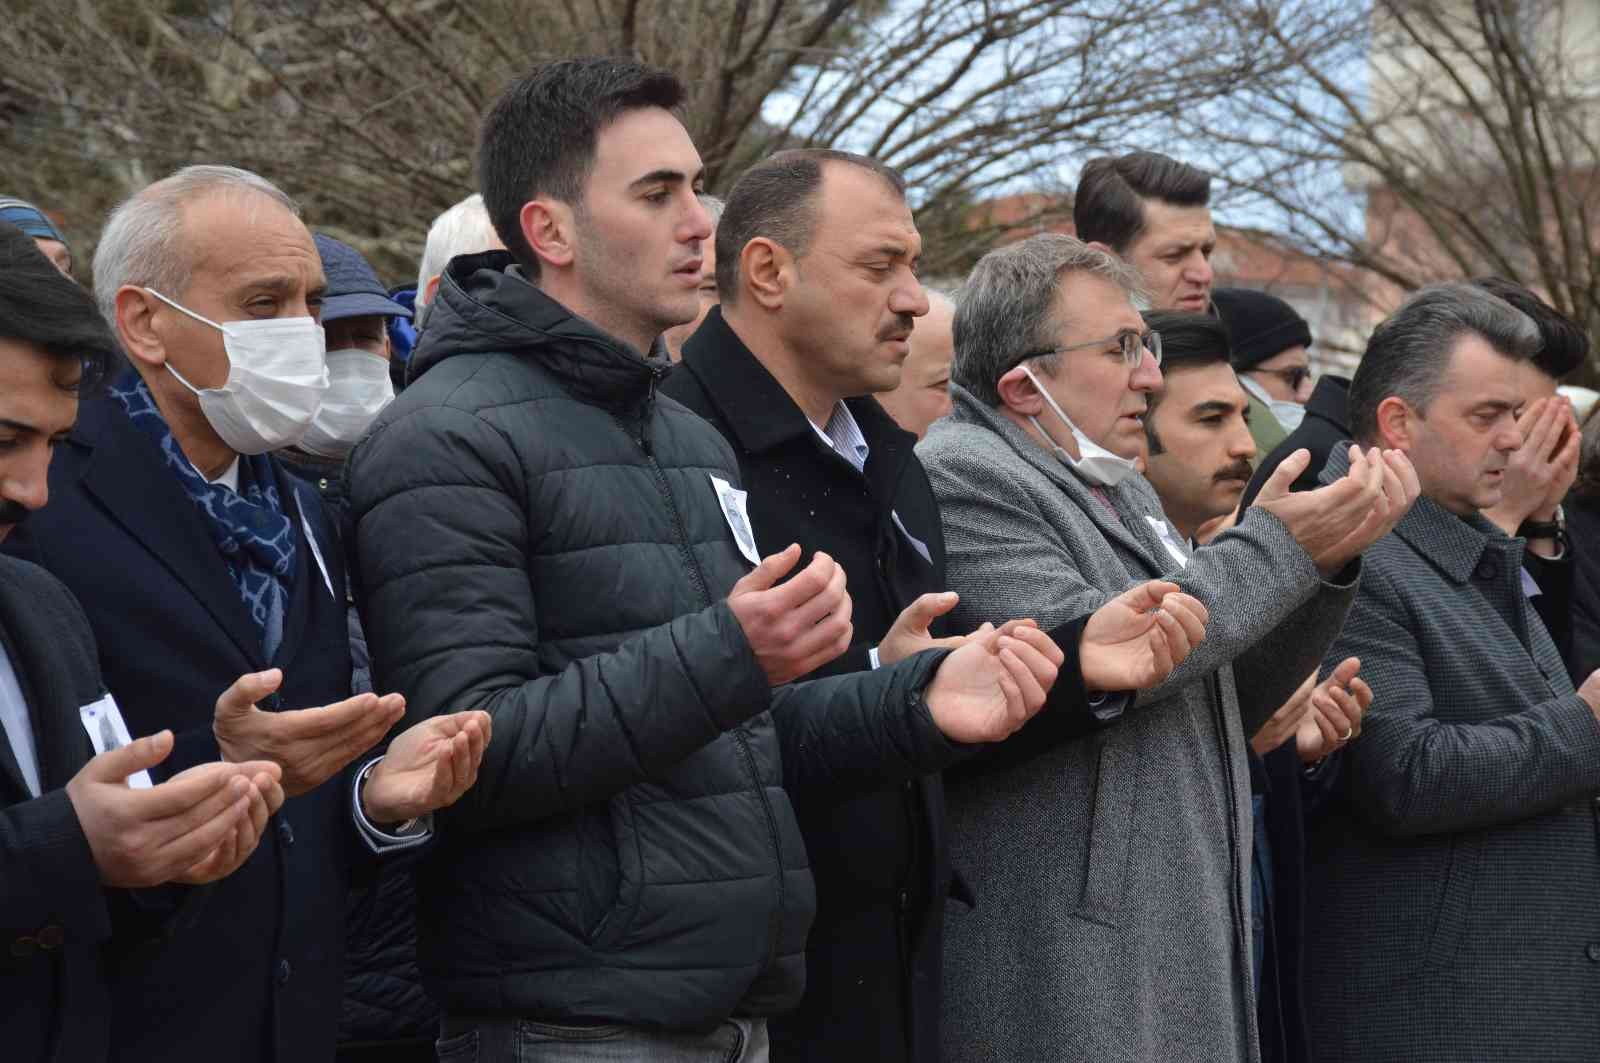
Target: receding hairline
pixel 195 248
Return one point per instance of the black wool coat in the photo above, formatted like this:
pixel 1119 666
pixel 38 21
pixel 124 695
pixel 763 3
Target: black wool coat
pixel 879 858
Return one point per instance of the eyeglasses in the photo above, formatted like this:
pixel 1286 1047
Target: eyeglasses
pixel 1294 376
pixel 1133 346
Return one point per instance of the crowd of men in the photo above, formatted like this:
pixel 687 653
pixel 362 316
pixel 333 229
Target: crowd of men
pixel 670 631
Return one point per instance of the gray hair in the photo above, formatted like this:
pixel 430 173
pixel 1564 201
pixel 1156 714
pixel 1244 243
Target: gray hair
pixel 714 207
pixel 1006 308
pixel 142 243
pixel 1409 353
pixel 464 229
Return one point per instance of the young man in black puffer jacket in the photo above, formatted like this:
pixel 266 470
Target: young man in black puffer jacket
pixel 539 535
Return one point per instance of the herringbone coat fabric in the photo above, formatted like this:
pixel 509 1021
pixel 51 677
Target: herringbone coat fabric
pixel 1112 871
pixel 1455 883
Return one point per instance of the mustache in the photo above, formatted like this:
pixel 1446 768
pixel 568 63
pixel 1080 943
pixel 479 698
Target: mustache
pixel 13 512
pixel 901 329
pixel 1239 470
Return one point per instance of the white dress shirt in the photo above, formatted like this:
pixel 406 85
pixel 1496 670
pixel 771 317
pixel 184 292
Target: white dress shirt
pixel 18 724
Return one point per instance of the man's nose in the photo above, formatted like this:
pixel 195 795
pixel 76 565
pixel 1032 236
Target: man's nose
pixel 909 299
pixel 29 484
pixel 1147 377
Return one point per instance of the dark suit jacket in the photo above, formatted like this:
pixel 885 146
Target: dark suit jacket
pixel 880 860
pixel 53 914
pixel 257 976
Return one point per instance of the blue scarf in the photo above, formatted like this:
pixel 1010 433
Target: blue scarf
pixel 249 527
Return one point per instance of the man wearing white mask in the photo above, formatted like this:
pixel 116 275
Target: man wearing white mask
pixel 197 559
pixel 1111 857
pixel 356 309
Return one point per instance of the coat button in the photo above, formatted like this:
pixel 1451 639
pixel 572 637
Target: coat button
pixel 284 971
pixel 51 937
pixel 23 947
pixel 285 832
pixel 1593 951
pixel 1487 569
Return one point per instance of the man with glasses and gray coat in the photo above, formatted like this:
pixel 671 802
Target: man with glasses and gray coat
pixel 1110 852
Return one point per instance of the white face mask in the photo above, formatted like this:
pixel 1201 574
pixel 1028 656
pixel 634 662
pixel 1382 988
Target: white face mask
pixel 358 391
pixel 1095 463
pixel 1288 414
pixel 277 374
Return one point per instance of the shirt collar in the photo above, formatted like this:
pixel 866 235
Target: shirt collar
pixel 843 436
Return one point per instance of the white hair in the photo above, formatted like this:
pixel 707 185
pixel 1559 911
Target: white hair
pixel 714 207
pixel 142 242
pixel 464 229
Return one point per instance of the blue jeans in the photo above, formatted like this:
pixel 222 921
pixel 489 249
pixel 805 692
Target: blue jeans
pixel 495 1039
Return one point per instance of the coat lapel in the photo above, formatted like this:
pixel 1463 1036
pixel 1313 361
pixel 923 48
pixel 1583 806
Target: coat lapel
pixel 127 475
pixel 307 574
pixel 59 741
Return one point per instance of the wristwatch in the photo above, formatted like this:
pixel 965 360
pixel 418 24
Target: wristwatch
pixel 1554 530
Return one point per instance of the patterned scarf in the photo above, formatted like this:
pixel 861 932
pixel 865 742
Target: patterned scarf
pixel 249 526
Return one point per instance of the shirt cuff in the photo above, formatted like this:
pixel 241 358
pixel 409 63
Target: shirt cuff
pixel 409 836
pixel 1106 706
pixel 872 658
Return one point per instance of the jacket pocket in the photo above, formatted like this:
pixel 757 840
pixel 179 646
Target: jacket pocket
pixel 618 899
pixel 1455 901
pixel 1105 872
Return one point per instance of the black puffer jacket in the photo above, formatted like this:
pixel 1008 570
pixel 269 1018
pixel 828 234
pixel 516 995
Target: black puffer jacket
pixel 537 535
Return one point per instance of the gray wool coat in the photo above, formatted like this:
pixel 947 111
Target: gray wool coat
pixel 1112 871
pixel 1454 888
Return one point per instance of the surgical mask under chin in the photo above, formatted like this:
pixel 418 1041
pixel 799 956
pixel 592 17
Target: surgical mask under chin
pixel 1288 414
pixel 1094 463
pixel 277 375
pixel 358 391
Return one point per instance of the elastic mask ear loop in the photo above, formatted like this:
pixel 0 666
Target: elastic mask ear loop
pixel 203 320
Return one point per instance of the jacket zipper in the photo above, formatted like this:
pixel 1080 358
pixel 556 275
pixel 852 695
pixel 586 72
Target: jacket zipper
pixel 643 439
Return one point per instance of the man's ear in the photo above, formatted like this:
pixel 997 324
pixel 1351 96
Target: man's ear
pixel 1098 246
pixel 550 228
pixel 431 289
pixel 1396 423
pixel 135 325
pixel 1018 394
pixel 766 272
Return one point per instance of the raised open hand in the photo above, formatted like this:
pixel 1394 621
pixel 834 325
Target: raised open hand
pixel 311 745
pixel 428 767
pixel 1135 640
pixel 994 683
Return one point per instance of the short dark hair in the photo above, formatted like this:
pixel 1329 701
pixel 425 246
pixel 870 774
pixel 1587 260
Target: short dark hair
pixel 1188 341
pixel 540 136
pixel 777 199
pixel 1563 345
pixel 1109 205
pixel 1410 351
pixel 46 310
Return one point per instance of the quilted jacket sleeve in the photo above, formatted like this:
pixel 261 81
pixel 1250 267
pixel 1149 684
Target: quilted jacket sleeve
pixel 858 732
pixel 441 547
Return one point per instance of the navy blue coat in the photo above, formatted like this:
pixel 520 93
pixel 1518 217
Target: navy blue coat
pixel 257 973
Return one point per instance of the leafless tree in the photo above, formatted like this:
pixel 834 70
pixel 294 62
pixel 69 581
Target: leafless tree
pixel 1451 138
pixel 366 110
